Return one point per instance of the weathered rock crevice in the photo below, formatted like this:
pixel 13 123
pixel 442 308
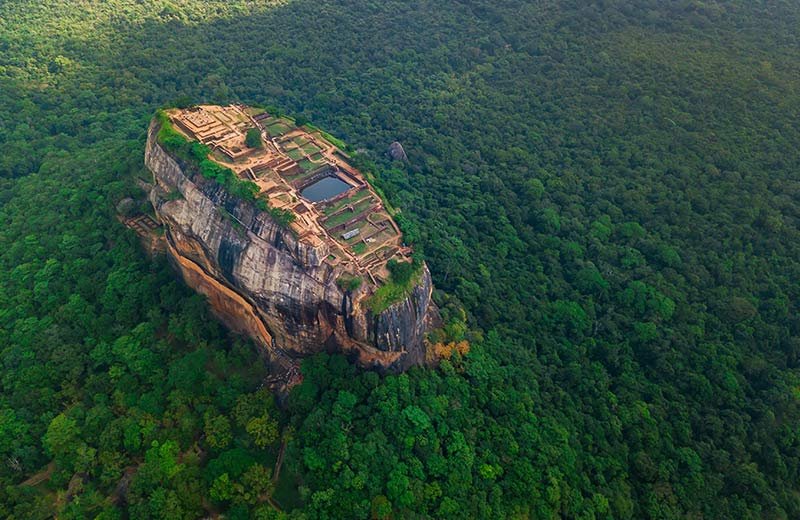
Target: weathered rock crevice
pixel 262 281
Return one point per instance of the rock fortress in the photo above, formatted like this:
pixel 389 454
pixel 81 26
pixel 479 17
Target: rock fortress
pixel 289 242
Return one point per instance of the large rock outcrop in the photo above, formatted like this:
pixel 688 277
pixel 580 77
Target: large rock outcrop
pixel 396 152
pixel 262 281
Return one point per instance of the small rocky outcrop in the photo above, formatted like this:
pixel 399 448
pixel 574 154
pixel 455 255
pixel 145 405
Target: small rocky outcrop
pixel 126 207
pixel 396 152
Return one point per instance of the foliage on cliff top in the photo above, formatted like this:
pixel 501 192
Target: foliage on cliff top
pixel 196 154
pixel 348 282
pixel 253 138
pixel 335 141
pixel 404 276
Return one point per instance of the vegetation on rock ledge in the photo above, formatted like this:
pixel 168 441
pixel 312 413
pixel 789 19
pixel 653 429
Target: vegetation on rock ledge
pixel 253 138
pixel 196 154
pixel 403 277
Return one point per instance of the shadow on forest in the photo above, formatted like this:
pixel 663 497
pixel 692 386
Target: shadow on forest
pixel 354 74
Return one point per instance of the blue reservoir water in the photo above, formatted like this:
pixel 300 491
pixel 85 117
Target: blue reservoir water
pixel 324 188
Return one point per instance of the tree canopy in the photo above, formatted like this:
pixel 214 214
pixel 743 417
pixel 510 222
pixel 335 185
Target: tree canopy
pixel 253 138
pixel 605 193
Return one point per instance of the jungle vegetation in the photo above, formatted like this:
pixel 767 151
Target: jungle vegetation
pixel 606 193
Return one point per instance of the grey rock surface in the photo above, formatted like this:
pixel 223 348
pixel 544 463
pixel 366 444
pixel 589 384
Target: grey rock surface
pixel 396 152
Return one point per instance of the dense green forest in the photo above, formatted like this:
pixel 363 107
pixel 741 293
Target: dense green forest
pixel 609 190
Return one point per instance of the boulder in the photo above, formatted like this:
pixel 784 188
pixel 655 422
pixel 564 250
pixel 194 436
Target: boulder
pixel 396 152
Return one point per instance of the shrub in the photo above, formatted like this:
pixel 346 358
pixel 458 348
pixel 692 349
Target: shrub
pixel 349 283
pixel 253 138
pixel 403 277
pixel 401 271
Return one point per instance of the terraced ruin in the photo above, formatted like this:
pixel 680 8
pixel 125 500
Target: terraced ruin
pixel 297 168
pixel 287 240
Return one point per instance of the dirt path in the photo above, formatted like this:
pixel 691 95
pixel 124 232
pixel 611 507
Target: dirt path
pixel 40 477
pixel 273 504
pixel 276 473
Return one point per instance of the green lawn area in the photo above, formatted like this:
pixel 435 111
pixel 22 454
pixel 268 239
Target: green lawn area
pixel 298 177
pixel 307 165
pixel 220 157
pixel 279 128
pixel 344 216
pixel 341 218
pixel 384 235
pixel 310 148
pixel 355 198
pixel 363 205
pixel 296 154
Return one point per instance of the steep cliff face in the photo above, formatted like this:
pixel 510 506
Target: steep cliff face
pixel 262 281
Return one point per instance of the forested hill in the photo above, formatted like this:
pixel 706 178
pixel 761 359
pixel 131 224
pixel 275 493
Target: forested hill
pixel 609 190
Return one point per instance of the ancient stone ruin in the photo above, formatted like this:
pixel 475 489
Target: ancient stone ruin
pixel 310 285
